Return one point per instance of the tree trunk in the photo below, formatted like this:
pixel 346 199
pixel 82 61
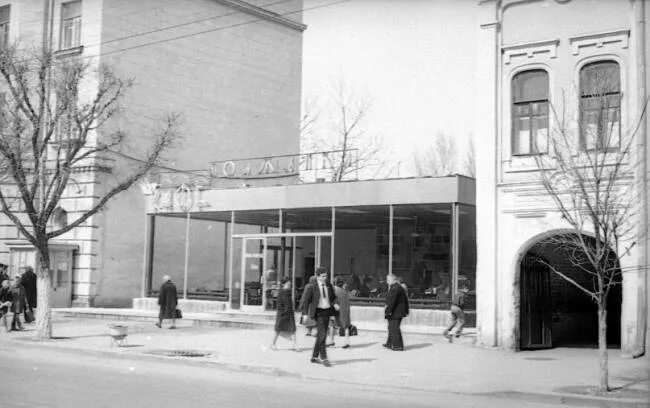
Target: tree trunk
pixel 603 382
pixel 43 290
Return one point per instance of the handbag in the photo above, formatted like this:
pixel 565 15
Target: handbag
pixel 352 329
pixel 178 314
pixel 307 321
pixel 29 316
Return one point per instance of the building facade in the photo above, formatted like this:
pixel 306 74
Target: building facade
pixel 534 60
pixel 230 69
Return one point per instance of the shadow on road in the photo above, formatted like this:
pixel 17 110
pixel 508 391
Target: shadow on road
pixel 363 345
pixel 352 361
pixel 417 346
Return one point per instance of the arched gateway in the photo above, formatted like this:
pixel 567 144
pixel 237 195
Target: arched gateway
pixel 554 312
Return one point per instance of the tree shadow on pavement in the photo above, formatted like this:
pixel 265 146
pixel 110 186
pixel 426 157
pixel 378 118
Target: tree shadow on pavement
pixel 352 361
pixel 417 346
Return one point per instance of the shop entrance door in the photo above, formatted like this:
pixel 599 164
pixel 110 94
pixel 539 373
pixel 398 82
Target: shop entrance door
pixel 253 284
pixel 267 258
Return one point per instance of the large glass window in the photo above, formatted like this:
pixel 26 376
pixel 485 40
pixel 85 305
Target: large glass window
pixel 422 247
pixel 70 25
pixel 361 250
pixel 600 105
pixel 530 113
pixel 467 253
pixel 168 250
pixel 207 260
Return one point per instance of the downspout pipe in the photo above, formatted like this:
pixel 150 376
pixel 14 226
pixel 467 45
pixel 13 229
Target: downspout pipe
pixel 642 174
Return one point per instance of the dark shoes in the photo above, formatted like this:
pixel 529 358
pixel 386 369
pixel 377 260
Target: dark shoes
pixel 325 362
pixel 346 346
pixel 158 325
pixel 387 345
pixel 397 348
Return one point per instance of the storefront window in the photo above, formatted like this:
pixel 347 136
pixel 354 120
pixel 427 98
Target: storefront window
pixel 422 248
pixel 361 250
pixel 208 258
pixel 467 253
pixel 169 242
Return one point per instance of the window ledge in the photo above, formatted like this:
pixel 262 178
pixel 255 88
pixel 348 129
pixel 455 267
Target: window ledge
pixel 69 52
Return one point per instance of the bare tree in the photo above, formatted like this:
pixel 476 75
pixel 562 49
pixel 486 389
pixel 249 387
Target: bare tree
pixel 589 176
pixel 51 125
pixel 442 158
pixel 354 150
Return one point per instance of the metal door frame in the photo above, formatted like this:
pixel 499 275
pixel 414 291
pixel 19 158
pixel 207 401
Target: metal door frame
pixel 263 237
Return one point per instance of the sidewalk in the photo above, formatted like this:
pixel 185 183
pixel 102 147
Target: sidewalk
pixel 429 363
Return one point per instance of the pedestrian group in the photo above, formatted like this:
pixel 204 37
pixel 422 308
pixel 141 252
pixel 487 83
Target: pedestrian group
pixel 17 297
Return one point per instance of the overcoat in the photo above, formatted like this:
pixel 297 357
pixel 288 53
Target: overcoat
pixel 28 280
pixel 343 300
pixel 285 321
pixel 19 301
pixel 397 306
pixel 167 299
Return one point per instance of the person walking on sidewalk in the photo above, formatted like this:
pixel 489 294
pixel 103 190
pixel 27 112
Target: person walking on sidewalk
pixel 306 292
pixel 6 299
pixel 320 305
pixel 456 315
pixel 18 304
pixel 343 315
pixel 168 300
pixel 28 280
pixel 285 319
pixel 397 308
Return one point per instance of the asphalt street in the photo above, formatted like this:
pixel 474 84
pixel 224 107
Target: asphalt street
pixel 33 377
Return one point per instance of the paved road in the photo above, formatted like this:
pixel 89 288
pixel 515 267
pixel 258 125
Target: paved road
pixel 34 377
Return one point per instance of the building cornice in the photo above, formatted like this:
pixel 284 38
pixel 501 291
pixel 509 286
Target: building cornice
pixel 598 40
pixel 530 49
pixel 263 14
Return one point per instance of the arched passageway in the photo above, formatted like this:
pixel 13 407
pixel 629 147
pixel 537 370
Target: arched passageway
pixel 554 312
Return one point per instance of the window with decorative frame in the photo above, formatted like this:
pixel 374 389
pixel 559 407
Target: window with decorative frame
pixel 600 106
pixel 5 16
pixel 70 25
pixel 530 113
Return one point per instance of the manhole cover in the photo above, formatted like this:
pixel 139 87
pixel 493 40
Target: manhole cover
pixel 539 358
pixel 180 353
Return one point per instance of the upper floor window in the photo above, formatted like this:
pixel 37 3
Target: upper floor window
pixel 70 25
pixel 4 26
pixel 600 105
pixel 530 112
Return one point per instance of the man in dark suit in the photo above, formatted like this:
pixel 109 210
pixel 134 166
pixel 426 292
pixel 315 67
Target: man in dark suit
pixel 397 308
pixel 319 305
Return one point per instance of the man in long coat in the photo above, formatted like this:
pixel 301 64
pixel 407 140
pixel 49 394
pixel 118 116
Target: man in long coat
pixel 28 280
pixel 167 299
pixel 397 308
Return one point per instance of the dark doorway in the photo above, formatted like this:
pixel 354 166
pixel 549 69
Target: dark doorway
pixel 536 307
pixel 553 311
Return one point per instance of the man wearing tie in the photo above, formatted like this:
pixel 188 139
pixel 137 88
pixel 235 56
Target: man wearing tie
pixel 320 306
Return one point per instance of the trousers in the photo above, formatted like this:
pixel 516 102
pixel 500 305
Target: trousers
pixel 322 322
pixel 395 334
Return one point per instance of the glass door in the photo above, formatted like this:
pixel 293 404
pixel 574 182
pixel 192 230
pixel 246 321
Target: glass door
pixel 253 277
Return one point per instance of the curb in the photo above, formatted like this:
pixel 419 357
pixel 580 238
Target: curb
pixel 550 397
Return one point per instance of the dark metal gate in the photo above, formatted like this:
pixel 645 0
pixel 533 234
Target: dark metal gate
pixel 536 307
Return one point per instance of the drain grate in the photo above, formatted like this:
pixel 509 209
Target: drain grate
pixel 180 353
